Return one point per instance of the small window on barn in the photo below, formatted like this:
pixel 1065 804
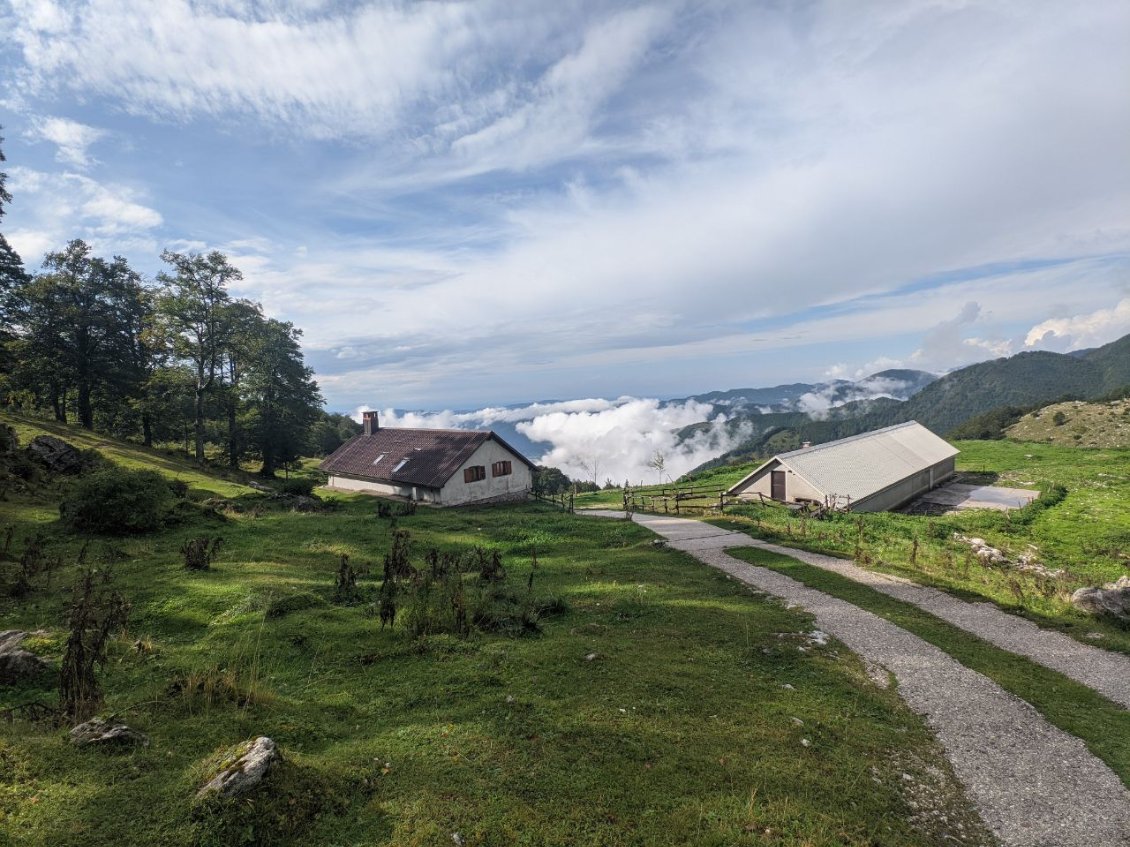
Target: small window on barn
pixel 400 465
pixel 502 468
pixel 475 473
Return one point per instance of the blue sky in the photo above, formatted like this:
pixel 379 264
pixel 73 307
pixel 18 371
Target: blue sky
pixel 473 203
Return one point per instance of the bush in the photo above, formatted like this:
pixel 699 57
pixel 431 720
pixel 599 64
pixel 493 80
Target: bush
pixel 118 501
pixel 293 603
pixel 199 553
pixel 298 486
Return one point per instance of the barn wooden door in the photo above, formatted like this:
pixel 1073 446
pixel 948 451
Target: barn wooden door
pixel 777 485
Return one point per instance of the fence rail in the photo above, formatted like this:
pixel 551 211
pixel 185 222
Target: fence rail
pixel 563 501
pixel 677 501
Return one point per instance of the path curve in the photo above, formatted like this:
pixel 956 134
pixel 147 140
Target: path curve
pixel 1101 670
pixel 1033 784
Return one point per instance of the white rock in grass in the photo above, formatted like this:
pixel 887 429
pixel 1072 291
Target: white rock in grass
pixel 107 733
pixel 244 773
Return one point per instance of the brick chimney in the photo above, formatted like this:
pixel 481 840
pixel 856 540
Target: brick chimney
pixel 369 422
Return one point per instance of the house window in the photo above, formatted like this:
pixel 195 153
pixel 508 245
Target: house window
pixel 501 469
pixel 400 465
pixel 377 460
pixel 474 473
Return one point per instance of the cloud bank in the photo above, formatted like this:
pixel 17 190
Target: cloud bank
pixel 596 439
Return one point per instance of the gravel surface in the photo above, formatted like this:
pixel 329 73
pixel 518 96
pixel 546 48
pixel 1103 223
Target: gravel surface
pixel 1033 784
pixel 1106 672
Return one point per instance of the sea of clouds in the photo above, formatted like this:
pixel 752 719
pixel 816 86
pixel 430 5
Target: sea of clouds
pixel 597 439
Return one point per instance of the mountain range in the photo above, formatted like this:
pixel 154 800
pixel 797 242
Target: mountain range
pixel 1026 379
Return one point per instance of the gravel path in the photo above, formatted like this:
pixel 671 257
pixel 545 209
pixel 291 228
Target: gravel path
pixel 1106 672
pixel 1034 785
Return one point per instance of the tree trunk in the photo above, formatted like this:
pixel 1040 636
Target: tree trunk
pixel 146 429
pixel 85 412
pixel 198 413
pixel 58 404
pixel 233 437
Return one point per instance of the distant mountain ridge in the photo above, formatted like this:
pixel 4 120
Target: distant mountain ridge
pixel 1025 379
pixel 899 384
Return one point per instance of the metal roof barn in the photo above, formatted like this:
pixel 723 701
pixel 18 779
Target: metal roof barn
pixel 871 472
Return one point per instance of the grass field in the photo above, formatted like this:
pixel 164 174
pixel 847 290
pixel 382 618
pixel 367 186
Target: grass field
pixel 667 705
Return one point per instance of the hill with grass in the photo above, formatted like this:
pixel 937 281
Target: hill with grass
pixel 1076 424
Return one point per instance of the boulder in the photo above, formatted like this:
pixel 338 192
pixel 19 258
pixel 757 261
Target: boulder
pixel 107 733
pixel 246 772
pixel 56 454
pixel 302 503
pixel 17 665
pixel 1111 599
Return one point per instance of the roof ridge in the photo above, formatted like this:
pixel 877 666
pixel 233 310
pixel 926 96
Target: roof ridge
pixel 857 437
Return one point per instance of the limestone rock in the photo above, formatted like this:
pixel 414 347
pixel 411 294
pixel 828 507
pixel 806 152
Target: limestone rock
pixel 56 454
pixel 244 773
pixel 106 733
pixel 1111 599
pixel 17 665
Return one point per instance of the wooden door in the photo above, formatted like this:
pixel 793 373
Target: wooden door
pixel 777 485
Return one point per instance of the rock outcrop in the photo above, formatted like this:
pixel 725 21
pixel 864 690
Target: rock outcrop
pixel 1111 599
pixel 56 454
pixel 106 733
pixel 252 764
pixel 17 664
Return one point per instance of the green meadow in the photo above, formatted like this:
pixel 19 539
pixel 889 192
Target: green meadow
pixel 660 703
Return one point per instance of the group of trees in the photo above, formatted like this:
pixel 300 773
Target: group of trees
pixel 176 360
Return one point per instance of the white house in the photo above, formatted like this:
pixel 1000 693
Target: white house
pixel 447 467
pixel 872 472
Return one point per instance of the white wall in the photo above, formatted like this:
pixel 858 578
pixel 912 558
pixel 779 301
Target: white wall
pixel 369 486
pixel 795 486
pixel 519 481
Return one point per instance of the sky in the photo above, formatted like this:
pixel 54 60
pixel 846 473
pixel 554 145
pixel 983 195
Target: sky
pixel 469 204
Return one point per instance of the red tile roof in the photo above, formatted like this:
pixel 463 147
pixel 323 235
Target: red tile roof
pixel 430 456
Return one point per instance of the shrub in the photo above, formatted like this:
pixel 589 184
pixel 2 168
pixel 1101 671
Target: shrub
pixel 295 602
pixel 298 486
pixel 118 501
pixel 97 611
pixel 345 583
pixel 179 488
pixel 199 553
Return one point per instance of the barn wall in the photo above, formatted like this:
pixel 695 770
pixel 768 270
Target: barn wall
pixel 369 486
pixel 794 486
pixel 520 481
pixel 907 489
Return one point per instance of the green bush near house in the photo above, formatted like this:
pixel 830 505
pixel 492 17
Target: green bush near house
pixel 118 501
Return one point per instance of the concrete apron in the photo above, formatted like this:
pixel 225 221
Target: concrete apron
pixel 1033 784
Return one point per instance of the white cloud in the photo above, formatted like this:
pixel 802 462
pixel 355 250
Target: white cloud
pixel 1082 331
pixel 109 217
pixel 596 438
pixel 71 137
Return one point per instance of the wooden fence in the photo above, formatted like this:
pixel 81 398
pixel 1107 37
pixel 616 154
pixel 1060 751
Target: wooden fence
pixel 563 501
pixel 679 500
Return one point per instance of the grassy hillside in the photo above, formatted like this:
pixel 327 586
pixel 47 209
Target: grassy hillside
pixel 666 705
pixel 1076 424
